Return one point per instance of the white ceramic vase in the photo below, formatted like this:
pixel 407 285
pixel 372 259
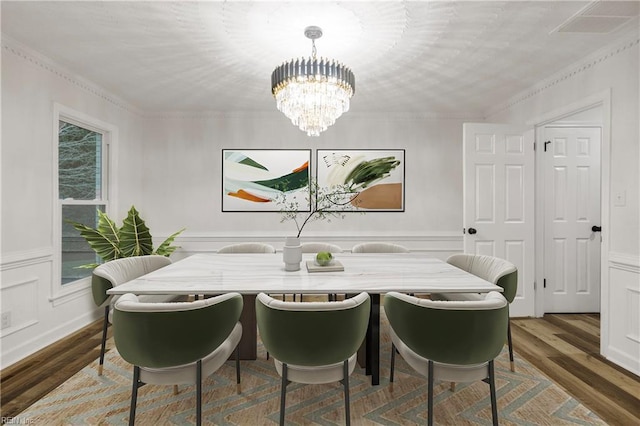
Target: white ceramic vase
pixel 292 254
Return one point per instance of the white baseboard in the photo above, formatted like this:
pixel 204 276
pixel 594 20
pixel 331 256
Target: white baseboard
pixel 624 360
pixel 29 347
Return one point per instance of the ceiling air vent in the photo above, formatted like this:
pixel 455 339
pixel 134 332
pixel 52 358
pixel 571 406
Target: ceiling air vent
pixel 600 17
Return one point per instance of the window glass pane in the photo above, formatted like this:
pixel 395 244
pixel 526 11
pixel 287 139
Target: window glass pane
pixel 75 250
pixel 79 162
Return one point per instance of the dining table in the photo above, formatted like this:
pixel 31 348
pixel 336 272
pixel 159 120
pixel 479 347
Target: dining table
pixel 253 273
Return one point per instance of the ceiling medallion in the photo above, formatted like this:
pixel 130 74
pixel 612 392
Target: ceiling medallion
pixel 314 92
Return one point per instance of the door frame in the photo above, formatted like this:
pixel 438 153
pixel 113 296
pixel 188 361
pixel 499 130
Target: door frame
pixel 598 99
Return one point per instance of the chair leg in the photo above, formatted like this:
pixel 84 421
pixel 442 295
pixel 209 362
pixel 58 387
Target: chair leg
pixel 103 346
pixel 513 366
pixel 430 395
pixel 345 382
pixel 134 395
pixel 452 387
pixel 393 364
pixel 492 390
pixel 238 388
pixel 199 392
pixel 283 393
pixel 175 390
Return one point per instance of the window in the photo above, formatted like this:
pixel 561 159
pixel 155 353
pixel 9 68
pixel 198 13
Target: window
pixel 82 190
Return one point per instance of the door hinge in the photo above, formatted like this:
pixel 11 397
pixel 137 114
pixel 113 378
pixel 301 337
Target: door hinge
pixel 544 283
pixel 545 145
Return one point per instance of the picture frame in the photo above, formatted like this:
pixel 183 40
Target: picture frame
pixel 265 180
pixel 376 176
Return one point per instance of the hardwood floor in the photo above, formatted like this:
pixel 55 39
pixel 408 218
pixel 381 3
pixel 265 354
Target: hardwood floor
pixel 564 347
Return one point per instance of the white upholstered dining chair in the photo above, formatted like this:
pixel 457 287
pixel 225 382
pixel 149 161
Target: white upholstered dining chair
pixel 454 341
pixel 327 338
pixel 119 271
pixel 177 343
pixel 493 269
pixel 379 247
pixel 247 248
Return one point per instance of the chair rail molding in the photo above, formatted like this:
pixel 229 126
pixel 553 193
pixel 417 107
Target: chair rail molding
pixel 625 262
pixel 25 258
pixel 440 244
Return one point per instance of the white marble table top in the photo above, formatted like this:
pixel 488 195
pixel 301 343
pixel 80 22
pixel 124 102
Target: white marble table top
pixel 255 273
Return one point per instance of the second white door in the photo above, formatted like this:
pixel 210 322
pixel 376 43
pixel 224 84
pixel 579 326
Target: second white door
pixel 572 219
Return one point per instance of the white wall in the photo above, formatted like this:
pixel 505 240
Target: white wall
pixel 169 168
pixel 614 70
pixel 186 158
pixel 30 87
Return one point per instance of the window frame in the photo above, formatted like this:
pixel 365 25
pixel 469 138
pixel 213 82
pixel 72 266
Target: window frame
pixel 62 293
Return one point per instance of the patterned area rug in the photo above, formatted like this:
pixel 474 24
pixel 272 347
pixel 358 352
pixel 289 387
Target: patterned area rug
pixel 525 397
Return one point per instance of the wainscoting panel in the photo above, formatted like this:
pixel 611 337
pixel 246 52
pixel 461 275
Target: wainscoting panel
pixel 623 329
pixel 30 321
pixel 18 308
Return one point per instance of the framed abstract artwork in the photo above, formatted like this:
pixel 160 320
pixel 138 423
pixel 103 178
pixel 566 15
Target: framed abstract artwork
pixel 265 180
pixel 375 177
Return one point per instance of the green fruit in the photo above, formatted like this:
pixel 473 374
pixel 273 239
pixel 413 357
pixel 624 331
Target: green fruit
pixel 323 258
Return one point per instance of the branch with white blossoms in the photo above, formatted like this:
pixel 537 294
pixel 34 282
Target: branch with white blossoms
pixel 326 203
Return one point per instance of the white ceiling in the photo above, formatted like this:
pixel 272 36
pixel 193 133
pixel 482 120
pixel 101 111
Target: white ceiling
pixel 426 57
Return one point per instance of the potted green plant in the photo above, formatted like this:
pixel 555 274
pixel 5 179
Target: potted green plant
pixel 326 203
pixel 133 238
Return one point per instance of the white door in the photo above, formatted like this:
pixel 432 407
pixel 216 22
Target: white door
pixel 572 217
pixel 499 200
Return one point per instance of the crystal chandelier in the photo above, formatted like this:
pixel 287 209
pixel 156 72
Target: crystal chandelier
pixel 312 93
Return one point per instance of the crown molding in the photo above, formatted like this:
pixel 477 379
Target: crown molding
pixel 630 40
pixel 26 53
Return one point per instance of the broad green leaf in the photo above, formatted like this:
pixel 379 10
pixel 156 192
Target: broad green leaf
pixel 109 230
pixel 99 242
pixel 132 239
pixel 135 237
pixel 165 249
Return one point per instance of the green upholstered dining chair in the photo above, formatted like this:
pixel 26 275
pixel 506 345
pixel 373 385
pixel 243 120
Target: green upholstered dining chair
pixel 328 335
pixel 247 248
pixel 176 343
pixel 376 247
pixel 448 341
pixel 119 271
pixel 493 269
